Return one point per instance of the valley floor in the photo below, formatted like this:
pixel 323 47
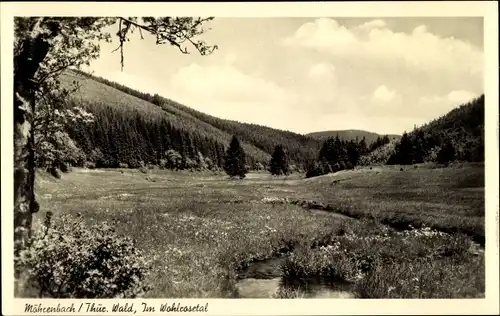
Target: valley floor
pixel 203 231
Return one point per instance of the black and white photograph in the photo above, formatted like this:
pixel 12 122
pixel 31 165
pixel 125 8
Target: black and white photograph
pixel 204 156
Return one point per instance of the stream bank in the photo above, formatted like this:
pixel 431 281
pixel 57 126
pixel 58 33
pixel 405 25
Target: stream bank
pixel 265 279
pixel 262 279
pixel 400 225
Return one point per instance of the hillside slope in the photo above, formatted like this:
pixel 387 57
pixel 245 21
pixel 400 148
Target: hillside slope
pixel 350 134
pixel 380 155
pixel 457 135
pixel 204 133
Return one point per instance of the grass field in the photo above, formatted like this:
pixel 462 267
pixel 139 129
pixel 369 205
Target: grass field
pixel 199 229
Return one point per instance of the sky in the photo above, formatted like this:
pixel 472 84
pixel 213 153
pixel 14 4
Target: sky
pixel 383 75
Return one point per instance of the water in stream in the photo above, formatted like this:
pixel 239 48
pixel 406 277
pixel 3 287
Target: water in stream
pixel 262 279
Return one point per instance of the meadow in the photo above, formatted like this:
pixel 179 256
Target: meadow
pixel 200 229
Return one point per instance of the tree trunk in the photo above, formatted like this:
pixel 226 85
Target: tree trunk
pixel 32 52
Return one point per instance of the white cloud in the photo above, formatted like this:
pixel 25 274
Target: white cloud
pixel 430 99
pixel 374 41
pixel 461 96
pixel 226 92
pixel 230 58
pixel 420 30
pixel 321 69
pixel 374 24
pixel 322 33
pixel 437 105
pixel 224 83
pixel 453 98
pixel 382 93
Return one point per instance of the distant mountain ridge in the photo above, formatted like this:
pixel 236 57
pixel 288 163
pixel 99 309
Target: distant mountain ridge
pixel 350 134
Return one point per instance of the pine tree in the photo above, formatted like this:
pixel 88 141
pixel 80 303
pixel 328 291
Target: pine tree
pixel 234 162
pixel 447 153
pixel 403 152
pixel 334 153
pixel 353 153
pixel 385 140
pixel 340 150
pixel 279 162
pixel 362 146
pixel 220 154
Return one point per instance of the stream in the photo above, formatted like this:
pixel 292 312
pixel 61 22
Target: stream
pixel 262 279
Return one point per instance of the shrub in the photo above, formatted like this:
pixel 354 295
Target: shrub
pixel 318 169
pixel 163 163
pixel 189 163
pixel 258 166
pixel 327 263
pixel 73 260
pixel 209 163
pixel 55 172
pixel 89 165
pixel 136 164
pixel 174 159
pixel 65 167
pixel 432 155
pixel 447 153
pixel 96 156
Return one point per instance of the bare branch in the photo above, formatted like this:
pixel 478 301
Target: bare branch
pixel 140 32
pixel 175 32
pixel 120 35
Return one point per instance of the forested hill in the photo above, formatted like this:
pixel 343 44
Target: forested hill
pixel 132 127
pixel 457 135
pixel 350 134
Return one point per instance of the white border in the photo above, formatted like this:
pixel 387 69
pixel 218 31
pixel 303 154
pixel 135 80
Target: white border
pixel 488 10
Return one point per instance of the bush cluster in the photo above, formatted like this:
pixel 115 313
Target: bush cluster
pixel 69 259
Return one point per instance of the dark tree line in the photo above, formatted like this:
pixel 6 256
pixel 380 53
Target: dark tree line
pixel 458 135
pixel 337 154
pixel 118 138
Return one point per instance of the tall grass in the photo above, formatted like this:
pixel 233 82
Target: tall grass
pixel 422 263
pixel 199 229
